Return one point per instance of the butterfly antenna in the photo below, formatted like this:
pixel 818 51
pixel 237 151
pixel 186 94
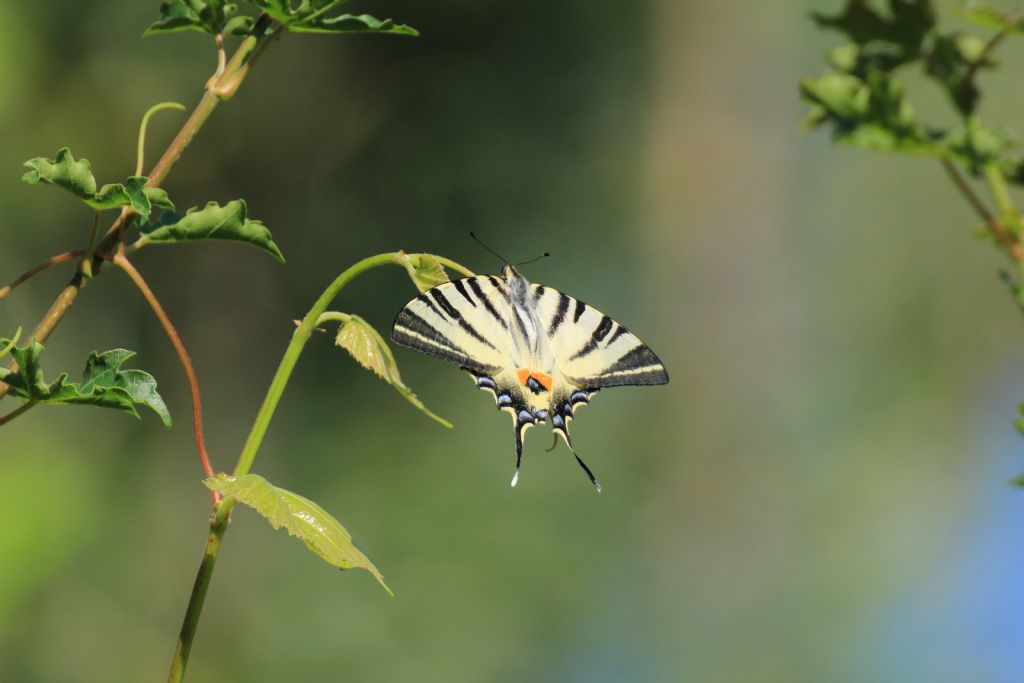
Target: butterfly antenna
pixel 535 258
pixel 478 241
pixel 593 479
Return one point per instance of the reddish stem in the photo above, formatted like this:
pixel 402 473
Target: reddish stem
pixel 124 264
pixel 52 261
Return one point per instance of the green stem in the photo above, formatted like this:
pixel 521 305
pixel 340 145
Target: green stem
pixel 291 355
pixel 222 510
pixel 1001 194
pixel 448 263
pixel 218 525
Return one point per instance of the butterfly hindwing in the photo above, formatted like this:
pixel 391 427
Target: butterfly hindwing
pixel 461 322
pixel 591 349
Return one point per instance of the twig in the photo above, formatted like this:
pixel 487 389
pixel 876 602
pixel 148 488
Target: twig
pixel 197 408
pixel 16 412
pixel 52 261
pixel 1006 240
pixel 986 52
pixel 173 152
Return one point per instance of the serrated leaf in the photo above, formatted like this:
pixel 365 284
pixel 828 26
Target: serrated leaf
pixel 352 23
pixel 311 16
pixel 76 177
pixel 103 383
pixel 301 517
pixel 370 350
pixel 425 270
pixel 207 16
pixel 213 222
pixel 63 171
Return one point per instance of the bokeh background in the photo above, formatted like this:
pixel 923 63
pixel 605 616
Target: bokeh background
pixel 819 495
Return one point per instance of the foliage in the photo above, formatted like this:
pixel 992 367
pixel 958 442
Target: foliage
pixel 369 349
pixel 104 384
pixel 212 222
pixel 301 517
pixel 864 101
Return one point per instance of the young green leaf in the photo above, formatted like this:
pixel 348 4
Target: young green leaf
pixel 103 384
pixel 301 517
pixel 352 23
pixel 212 222
pixel 905 25
pixel 873 113
pixel 310 16
pixel 64 171
pixel 425 270
pixel 76 177
pixel 370 350
pixel 207 16
pixel 984 14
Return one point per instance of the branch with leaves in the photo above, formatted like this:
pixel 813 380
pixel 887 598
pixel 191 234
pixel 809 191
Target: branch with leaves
pixel 863 101
pixel 145 215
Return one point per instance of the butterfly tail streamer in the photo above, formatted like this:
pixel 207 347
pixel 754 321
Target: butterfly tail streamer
pixel 564 433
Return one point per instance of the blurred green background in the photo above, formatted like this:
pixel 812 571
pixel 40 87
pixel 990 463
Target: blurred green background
pixel 819 495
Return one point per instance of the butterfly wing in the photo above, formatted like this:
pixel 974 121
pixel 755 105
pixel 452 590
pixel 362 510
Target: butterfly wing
pixel 592 350
pixel 463 322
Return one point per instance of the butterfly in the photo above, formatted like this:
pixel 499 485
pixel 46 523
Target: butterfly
pixel 540 352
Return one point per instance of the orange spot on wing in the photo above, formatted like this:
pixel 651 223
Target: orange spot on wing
pixel 524 374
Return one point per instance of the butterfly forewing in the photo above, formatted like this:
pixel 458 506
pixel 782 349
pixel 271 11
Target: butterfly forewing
pixel 591 349
pixel 461 321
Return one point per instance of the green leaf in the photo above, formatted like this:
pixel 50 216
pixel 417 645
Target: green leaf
pixel 352 23
pixel 905 25
pixel 310 16
pixel 158 198
pixel 872 114
pixel 370 350
pixel 984 14
pixel 64 171
pixel 978 146
pixel 425 270
pixel 213 222
pixel 76 177
pixel 301 517
pixel 953 60
pixel 103 383
pixel 207 16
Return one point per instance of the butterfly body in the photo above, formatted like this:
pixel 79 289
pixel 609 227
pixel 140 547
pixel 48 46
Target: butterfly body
pixel 540 352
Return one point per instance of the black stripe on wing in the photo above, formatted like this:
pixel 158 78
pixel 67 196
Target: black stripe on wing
pixel 636 367
pixel 474 284
pixel 412 331
pixel 454 314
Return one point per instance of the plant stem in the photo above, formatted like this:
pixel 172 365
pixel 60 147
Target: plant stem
pixel 235 71
pixel 1003 236
pixel 52 261
pixel 1001 193
pixel 193 384
pixel 460 269
pixel 291 355
pixel 218 525
pixel 16 412
pixel 222 509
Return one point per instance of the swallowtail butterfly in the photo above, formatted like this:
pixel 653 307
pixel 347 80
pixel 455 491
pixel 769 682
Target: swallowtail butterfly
pixel 540 352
